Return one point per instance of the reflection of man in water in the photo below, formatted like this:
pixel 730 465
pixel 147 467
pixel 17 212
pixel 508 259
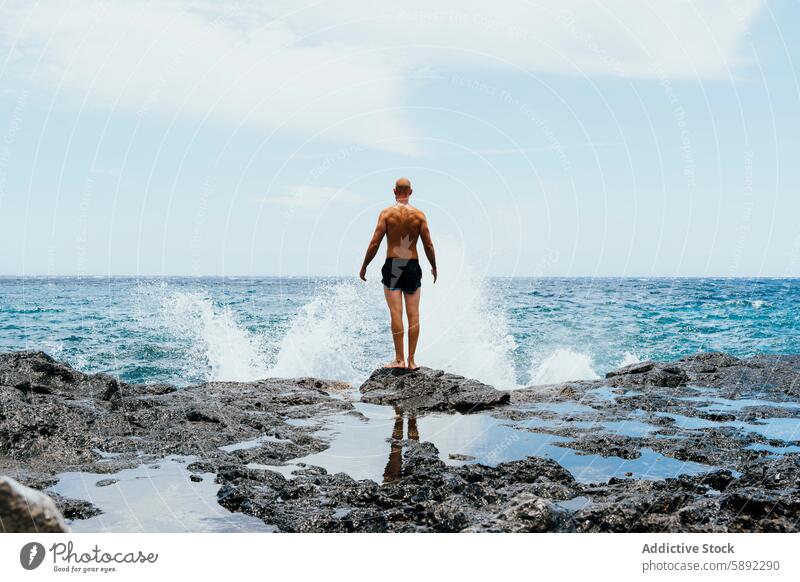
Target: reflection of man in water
pixel 395 464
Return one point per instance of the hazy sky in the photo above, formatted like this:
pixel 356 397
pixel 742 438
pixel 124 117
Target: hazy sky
pixel 556 137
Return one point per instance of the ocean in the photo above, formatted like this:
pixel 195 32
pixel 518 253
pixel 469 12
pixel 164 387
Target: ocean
pixel 508 332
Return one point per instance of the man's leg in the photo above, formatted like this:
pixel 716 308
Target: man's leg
pixel 413 433
pixel 395 464
pixel 394 299
pixel 412 309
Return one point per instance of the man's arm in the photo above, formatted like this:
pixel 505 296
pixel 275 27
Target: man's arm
pixel 427 244
pixel 374 245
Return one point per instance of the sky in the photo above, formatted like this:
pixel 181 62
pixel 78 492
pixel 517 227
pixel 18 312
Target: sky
pixel 547 138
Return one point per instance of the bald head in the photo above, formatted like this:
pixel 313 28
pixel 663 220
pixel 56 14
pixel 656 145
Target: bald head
pixel 402 188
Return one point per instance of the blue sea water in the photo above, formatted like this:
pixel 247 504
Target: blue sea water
pixel 509 332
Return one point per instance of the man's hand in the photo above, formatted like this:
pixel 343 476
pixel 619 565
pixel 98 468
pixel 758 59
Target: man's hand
pixel 435 273
pixel 363 274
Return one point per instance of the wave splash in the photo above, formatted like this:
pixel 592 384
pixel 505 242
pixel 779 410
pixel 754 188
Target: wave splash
pixel 628 358
pixel 218 341
pixel 344 332
pixel 566 364
pixel 334 335
pixel 563 365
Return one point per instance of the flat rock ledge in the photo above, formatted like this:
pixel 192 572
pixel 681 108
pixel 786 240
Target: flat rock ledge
pixel 426 389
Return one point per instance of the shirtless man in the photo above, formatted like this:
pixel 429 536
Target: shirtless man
pixel 403 225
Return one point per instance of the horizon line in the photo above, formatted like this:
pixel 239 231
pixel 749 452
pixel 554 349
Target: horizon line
pixel 320 276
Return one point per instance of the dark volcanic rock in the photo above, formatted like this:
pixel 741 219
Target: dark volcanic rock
pixel 529 495
pixel 428 390
pixel 608 446
pixel 73 509
pixel 648 374
pixel 54 419
pixel 429 496
pixel 774 374
pixel 715 502
pixel 527 513
pixel 201 467
pixel 33 372
pixel 26 510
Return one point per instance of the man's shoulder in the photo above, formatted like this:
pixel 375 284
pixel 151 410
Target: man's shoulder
pixel 418 213
pixel 385 212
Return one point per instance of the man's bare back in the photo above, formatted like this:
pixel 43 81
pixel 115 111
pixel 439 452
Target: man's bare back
pixel 402 225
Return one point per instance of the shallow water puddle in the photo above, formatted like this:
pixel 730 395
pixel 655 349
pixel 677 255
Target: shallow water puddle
pixel 253 443
pixel 362 446
pixel 778 451
pixel 726 404
pixel 603 393
pixel 575 503
pixel 785 429
pixel 302 422
pixel 569 407
pixel 611 393
pixel 628 427
pixel 147 499
pixel 625 427
pixel 650 465
pixel 692 422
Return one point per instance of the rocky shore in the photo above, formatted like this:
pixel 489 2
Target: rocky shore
pixel 707 443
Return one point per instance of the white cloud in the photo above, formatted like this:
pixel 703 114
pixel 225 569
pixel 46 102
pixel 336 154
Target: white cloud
pixel 338 69
pixel 312 197
pixel 687 39
pixel 171 58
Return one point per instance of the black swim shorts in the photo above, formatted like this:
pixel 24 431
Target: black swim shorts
pixel 405 274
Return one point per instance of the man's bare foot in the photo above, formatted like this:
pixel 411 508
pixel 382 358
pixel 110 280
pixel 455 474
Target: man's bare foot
pixel 412 365
pixel 395 364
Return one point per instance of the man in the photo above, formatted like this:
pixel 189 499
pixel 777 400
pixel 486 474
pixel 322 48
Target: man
pixel 403 225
